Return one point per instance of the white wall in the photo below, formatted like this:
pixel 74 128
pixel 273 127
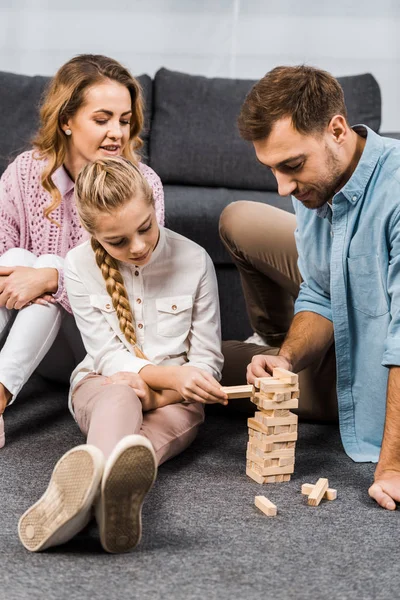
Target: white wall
pixel 234 38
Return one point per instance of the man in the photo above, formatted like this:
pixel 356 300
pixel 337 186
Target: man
pixel 345 186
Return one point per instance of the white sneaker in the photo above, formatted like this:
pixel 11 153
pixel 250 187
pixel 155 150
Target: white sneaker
pixel 2 434
pixel 129 473
pixel 65 507
pixel 257 339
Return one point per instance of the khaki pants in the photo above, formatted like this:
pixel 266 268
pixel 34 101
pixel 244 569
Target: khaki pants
pixel 260 240
pixel 107 413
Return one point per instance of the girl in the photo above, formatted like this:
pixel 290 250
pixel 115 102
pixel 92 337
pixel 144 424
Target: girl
pixel 145 300
pixel 92 109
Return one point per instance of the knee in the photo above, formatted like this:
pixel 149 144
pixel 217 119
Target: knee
pixel 49 260
pixel 17 257
pixel 122 398
pixel 231 219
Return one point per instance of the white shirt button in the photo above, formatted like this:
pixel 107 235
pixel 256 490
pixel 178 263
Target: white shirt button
pixel 354 198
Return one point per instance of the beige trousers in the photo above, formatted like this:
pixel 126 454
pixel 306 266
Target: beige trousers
pixel 260 240
pixel 107 413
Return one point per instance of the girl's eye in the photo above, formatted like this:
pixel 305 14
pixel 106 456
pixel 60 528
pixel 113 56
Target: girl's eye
pixel 100 121
pixel 120 243
pixel 125 122
pixel 147 229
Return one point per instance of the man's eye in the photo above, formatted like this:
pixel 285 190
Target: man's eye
pixel 296 167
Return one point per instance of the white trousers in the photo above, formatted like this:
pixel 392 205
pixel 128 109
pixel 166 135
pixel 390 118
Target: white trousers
pixel 36 336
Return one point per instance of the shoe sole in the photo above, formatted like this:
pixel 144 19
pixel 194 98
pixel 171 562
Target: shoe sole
pixel 127 483
pixel 65 507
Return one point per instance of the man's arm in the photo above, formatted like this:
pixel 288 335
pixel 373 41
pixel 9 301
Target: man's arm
pixel 308 338
pixel 386 488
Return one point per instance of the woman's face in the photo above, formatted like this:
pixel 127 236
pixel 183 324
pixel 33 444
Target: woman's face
pixel 130 233
pixel 100 127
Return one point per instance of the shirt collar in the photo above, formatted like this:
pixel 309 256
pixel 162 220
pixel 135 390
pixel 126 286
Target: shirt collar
pixel 63 181
pixel 354 189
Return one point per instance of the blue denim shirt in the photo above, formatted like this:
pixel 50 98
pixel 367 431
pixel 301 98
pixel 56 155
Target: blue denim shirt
pixel 349 258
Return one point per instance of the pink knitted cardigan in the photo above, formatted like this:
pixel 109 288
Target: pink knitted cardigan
pixel 23 225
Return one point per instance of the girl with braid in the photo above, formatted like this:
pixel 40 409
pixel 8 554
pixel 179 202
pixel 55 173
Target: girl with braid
pixel 146 303
pixel 92 109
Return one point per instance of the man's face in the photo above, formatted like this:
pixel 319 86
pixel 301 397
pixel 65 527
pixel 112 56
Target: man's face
pixel 305 166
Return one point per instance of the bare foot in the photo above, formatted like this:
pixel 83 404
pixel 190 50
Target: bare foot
pixel 5 397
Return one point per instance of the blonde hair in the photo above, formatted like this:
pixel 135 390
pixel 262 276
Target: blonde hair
pixel 65 95
pixel 105 186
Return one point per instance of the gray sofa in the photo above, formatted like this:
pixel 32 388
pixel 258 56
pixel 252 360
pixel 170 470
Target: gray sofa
pixel 191 141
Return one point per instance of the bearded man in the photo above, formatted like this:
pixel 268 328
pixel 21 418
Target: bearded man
pixel 345 235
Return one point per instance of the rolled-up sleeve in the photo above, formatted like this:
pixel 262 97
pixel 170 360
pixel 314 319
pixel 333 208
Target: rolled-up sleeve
pixel 312 297
pixel 391 355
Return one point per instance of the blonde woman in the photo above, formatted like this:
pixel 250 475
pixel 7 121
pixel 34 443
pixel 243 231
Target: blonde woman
pixel 92 109
pixel 145 300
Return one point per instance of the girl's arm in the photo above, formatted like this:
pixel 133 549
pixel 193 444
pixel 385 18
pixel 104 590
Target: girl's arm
pixel 197 380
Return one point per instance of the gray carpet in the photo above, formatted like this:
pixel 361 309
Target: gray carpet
pixel 203 537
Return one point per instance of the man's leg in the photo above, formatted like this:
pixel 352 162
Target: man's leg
pixel 260 239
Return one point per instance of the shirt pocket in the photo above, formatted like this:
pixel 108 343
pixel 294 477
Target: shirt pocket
pixel 174 315
pixel 366 291
pixel 102 302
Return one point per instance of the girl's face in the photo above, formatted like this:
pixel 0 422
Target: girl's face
pixel 101 126
pixel 130 233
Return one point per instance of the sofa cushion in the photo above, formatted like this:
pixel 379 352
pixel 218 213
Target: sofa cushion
pixel 20 97
pixel 194 138
pixel 194 212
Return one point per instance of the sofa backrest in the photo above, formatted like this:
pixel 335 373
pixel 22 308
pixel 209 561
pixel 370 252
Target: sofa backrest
pixel 194 138
pixel 20 98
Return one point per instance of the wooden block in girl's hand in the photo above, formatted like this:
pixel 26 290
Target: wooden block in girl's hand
pixel 238 391
pixel 318 492
pixel 266 506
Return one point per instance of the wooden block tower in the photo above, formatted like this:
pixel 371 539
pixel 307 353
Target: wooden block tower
pixel 273 430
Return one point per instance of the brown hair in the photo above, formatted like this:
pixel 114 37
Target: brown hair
pixel 309 96
pixel 64 96
pixel 105 186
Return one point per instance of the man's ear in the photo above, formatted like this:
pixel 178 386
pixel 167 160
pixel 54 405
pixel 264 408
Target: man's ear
pixel 338 128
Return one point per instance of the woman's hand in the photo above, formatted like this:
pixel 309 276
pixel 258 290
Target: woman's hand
pixel 21 285
pixel 149 398
pixel 198 385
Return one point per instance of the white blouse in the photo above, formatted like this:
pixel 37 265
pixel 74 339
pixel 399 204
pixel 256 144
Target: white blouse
pixel 174 300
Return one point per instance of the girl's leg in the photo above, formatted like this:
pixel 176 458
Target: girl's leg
pixel 106 413
pixel 173 428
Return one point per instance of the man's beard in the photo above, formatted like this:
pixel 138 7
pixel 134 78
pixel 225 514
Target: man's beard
pixel 327 187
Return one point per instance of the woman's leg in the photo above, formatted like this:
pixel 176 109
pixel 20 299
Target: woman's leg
pixel 30 338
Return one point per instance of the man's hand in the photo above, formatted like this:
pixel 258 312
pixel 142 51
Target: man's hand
pixel 262 365
pixel 386 489
pixel 148 397
pixel 21 285
pixel 198 385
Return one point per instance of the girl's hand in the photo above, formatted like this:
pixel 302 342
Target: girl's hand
pixel 148 397
pixel 198 385
pixel 21 285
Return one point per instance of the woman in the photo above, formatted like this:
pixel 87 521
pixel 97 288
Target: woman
pixel 92 109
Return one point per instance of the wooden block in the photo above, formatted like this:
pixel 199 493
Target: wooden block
pixel 265 471
pixel 270 479
pixel 266 404
pixel 282 453
pixel 318 492
pixel 307 488
pixel 274 421
pixel 270 385
pixel 267 436
pixel 283 374
pixel 238 391
pixel 266 506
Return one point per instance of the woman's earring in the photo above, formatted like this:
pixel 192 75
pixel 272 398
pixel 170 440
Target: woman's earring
pixel 68 132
